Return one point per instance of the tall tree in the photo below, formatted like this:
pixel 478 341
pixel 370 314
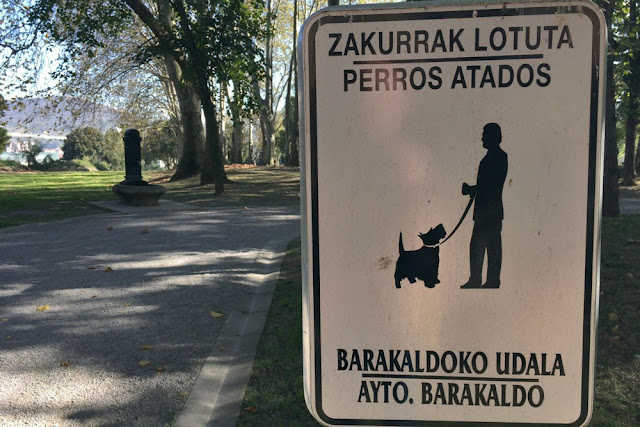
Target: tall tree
pixel 632 78
pixel 610 199
pixel 291 114
pixel 209 40
pixel 192 138
pixel 267 107
pixel 235 108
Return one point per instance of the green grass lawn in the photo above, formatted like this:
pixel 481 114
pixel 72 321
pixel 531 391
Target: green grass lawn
pixel 275 397
pixel 27 197
pixel 618 362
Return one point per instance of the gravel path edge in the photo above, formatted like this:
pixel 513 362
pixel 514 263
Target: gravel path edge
pixel 218 393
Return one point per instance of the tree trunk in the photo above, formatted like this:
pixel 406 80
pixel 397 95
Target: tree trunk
pixel 190 117
pixel 224 143
pixel 266 112
pixel 235 151
pixel 610 202
pixel 192 131
pixel 294 153
pixel 287 113
pixel 638 157
pixel 236 142
pixel 266 126
pixel 212 162
pixel 631 125
pixel 251 144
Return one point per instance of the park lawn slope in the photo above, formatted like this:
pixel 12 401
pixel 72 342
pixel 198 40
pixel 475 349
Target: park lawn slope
pixel 27 197
pixel 274 396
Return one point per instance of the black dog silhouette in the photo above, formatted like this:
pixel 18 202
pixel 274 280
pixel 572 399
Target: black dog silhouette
pixel 422 264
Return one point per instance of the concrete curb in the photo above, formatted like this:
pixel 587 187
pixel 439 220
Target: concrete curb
pixel 219 390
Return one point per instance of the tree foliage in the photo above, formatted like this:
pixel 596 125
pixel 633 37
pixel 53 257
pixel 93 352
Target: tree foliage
pixel 160 142
pixel 211 41
pixel 4 135
pixel 88 142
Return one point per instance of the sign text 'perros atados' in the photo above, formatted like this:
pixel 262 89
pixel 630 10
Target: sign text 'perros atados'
pixel 501 57
pixel 451 377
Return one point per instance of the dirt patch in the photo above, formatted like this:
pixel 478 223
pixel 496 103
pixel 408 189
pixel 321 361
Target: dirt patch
pixel 383 263
pixel 13 169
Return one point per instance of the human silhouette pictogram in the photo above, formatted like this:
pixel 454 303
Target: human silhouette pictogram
pixel 488 212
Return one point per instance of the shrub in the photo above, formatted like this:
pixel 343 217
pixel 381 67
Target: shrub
pixel 160 142
pixel 104 151
pixel 30 155
pixel 10 164
pixel 101 166
pixel 67 165
pixel 83 142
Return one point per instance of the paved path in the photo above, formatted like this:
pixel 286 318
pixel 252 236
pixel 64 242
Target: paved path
pixel 124 289
pixel 629 206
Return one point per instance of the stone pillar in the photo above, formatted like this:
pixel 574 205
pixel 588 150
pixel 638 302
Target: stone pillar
pixel 132 158
pixel 133 190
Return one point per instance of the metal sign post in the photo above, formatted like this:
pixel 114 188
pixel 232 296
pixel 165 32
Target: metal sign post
pixel 451 178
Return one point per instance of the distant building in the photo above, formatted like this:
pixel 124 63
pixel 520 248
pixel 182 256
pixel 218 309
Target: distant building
pixel 19 142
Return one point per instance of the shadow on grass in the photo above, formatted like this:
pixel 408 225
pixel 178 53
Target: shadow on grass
pixel 275 394
pixel 258 186
pixel 618 359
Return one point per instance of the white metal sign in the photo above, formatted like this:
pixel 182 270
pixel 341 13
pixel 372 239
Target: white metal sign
pixel 451 205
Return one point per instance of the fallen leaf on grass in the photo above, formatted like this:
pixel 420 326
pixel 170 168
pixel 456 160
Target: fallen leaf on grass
pixel 65 364
pixel 630 275
pixel 183 394
pixel 221 348
pixel 108 269
pixel 5 319
pixel 127 304
pixel 251 409
pixel 144 362
pixel 613 317
pixel 615 329
pixel 160 368
pixel 216 314
pixel 8 337
pixel 145 347
pixel 42 308
pixel 615 339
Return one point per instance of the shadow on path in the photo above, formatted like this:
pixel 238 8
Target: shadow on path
pixel 115 283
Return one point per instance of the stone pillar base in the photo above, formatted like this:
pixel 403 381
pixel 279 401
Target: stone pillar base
pixel 139 195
